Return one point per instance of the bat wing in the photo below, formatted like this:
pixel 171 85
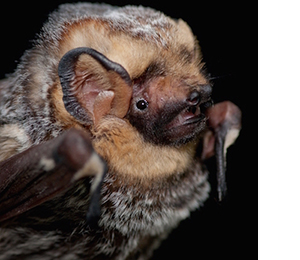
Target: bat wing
pixel 224 122
pixel 46 170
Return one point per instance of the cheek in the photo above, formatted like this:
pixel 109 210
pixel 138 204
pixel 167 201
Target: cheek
pixel 137 118
pixel 156 101
pixel 143 122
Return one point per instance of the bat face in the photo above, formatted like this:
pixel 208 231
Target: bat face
pixel 167 111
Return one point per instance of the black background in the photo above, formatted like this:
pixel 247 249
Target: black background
pixel 227 33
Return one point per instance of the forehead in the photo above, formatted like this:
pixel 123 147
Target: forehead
pixel 135 37
pixel 136 21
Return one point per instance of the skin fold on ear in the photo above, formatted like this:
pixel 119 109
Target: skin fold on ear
pixel 93 86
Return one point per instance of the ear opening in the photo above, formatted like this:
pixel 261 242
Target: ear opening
pixel 93 86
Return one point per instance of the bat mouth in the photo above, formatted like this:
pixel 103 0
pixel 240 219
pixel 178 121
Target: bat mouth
pixel 188 123
pixel 189 117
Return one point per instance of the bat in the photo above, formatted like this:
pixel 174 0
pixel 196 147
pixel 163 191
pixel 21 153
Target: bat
pixel 105 126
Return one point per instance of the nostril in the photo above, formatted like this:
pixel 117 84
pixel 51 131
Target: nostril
pixel 206 90
pixel 194 98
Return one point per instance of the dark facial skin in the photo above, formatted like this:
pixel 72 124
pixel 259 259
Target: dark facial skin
pixel 169 117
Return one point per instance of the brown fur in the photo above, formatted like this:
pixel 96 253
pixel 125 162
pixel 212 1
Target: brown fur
pixel 122 144
pixel 125 151
pixel 130 52
pixel 155 178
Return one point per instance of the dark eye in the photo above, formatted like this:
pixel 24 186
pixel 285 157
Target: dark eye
pixel 142 104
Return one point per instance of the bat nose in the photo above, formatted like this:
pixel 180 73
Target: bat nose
pixel 206 91
pixel 196 97
pixel 193 99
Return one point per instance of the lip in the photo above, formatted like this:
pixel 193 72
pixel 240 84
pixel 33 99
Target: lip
pixel 185 125
pixel 188 116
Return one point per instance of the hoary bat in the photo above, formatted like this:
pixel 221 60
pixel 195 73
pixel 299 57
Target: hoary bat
pixel 104 130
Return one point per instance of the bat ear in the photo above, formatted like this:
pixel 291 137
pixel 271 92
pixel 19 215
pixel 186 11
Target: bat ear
pixel 93 86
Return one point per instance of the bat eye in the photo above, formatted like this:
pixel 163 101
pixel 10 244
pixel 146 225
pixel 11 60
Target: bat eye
pixel 142 104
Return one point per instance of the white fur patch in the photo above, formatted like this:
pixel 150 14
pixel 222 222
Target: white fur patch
pixel 15 132
pixel 47 164
pixel 93 167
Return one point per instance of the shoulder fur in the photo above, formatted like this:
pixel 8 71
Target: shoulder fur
pixel 13 140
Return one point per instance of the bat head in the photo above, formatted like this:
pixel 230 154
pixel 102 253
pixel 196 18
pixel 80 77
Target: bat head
pixel 165 109
pixel 155 83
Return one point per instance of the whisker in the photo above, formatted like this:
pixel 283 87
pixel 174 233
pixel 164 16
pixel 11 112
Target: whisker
pixel 220 77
